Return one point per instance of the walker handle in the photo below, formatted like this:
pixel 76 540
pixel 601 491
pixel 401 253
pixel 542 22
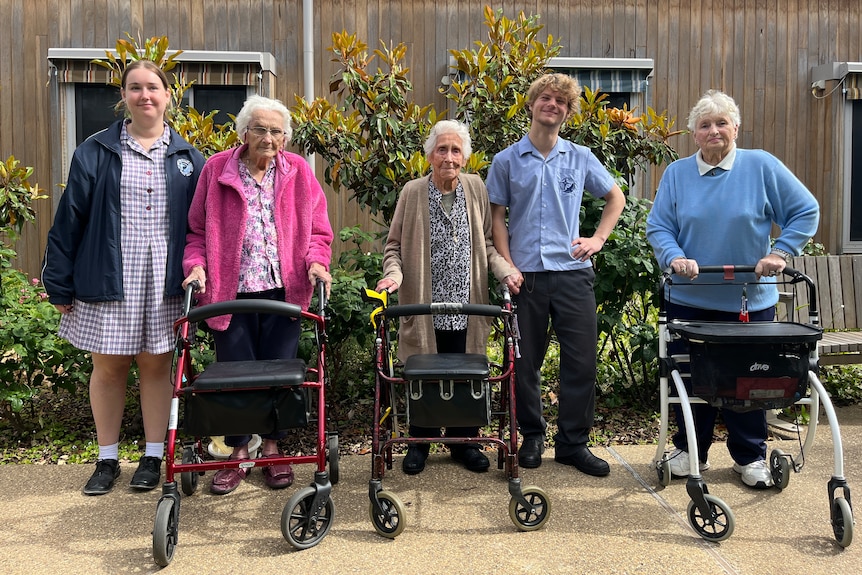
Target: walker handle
pixel 193 287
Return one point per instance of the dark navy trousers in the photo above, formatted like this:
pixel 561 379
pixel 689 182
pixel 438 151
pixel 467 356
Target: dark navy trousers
pixel 746 430
pixel 253 337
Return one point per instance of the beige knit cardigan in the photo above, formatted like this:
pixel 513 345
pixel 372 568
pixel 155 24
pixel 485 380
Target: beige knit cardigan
pixel 407 262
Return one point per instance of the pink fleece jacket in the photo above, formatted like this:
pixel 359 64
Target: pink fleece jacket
pixel 217 221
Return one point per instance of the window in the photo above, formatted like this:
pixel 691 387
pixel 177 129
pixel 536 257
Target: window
pixel 225 99
pixel 855 212
pixel 82 102
pixel 94 109
pixel 842 82
pixel 624 80
pixel 95 105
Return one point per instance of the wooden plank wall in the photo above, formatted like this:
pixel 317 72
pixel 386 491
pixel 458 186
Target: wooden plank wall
pixel 838 284
pixel 759 51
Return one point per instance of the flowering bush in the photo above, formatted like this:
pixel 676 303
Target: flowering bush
pixel 33 357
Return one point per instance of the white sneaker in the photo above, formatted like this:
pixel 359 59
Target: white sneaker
pixel 680 465
pixel 756 474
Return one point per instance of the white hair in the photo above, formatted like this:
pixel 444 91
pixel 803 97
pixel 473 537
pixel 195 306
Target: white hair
pixel 449 127
pixel 714 103
pixel 254 103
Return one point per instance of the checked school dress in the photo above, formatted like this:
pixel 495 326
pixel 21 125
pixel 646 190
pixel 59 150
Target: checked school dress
pixel 142 322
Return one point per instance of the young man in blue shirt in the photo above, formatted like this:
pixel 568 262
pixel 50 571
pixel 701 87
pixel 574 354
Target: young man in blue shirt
pixel 541 180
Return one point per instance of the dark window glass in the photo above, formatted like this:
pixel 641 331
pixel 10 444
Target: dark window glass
pixel 94 109
pixel 225 99
pixel 856 174
pixel 94 105
pixel 619 99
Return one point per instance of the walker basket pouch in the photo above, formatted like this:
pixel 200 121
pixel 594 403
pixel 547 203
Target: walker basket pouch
pixel 245 397
pixel 761 365
pixel 448 390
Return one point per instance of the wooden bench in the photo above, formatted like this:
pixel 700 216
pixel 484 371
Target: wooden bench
pixel 838 280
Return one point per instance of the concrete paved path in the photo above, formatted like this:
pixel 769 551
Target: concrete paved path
pixel 457 522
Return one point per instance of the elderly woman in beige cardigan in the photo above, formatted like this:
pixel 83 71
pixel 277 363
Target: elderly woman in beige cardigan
pixel 439 249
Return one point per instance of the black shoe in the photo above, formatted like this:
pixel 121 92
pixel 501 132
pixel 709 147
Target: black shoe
pixel 414 461
pixel 102 480
pixel 586 462
pixel 148 473
pixel 471 458
pixel 530 454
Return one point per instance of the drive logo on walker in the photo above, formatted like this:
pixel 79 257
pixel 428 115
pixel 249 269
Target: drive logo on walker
pixel 759 367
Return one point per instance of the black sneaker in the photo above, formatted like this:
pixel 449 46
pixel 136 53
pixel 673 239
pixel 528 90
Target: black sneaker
pixel 148 473
pixel 102 480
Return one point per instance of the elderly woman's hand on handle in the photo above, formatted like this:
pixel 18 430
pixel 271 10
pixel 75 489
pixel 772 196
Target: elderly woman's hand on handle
pixel 318 272
pixel 197 274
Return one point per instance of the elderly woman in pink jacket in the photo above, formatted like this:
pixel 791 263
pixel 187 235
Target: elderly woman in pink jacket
pixel 258 228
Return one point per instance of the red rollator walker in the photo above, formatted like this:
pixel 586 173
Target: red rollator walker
pixel 442 390
pixel 239 397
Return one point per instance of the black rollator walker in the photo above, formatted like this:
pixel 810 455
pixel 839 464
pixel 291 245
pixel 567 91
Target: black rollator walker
pixel 239 397
pixel 743 366
pixel 441 390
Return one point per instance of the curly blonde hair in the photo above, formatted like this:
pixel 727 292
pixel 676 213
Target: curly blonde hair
pixel 560 83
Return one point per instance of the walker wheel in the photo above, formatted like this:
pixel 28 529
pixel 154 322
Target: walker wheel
pixel 165 531
pixel 297 524
pixel 189 479
pixel 662 469
pixel 533 517
pixel 719 526
pixel 842 521
pixel 390 522
pixel 333 456
pixel 779 465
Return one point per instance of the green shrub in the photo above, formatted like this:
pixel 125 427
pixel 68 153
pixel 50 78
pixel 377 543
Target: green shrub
pixel 17 195
pixel 843 383
pixel 489 93
pixel 371 139
pixel 34 359
pixel 489 88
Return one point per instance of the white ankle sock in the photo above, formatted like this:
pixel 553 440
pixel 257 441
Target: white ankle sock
pixel 154 450
pixel 109 451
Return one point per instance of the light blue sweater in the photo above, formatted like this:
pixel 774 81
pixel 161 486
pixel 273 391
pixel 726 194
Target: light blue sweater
pixel 726 219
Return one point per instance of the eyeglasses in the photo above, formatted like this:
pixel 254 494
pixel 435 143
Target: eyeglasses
pixel 260 131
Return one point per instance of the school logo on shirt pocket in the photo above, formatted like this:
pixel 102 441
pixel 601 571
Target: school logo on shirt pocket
pixel 568 179
pixel 185 167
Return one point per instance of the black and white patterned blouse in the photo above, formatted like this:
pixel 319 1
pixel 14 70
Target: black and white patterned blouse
pixel 450 255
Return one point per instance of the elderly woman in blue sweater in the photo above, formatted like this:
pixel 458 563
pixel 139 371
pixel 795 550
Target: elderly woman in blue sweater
pixel 718 207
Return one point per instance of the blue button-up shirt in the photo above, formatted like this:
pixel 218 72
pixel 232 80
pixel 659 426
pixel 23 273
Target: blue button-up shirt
pixel 544 200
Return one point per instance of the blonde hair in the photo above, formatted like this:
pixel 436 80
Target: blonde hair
pixel 560 83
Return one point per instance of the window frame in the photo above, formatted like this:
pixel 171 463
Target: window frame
pixel 848 76
pixel 848 245
pixel 256 70
pixel 637 99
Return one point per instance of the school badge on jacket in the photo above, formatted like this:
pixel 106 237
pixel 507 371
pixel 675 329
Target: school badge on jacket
pixel 185 167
